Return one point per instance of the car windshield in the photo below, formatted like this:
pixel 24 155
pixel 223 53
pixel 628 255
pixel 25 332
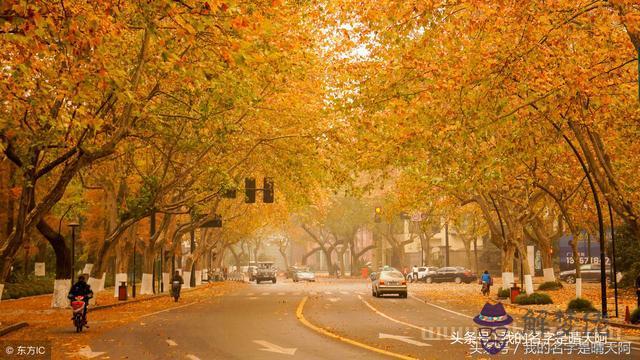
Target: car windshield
pixel 392 275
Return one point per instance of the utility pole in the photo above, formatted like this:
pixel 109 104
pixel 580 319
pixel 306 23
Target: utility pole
pixel 446 242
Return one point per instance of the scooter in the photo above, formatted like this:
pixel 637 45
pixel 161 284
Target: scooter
pixel 485 288
pixel 175 290
pixel 77 305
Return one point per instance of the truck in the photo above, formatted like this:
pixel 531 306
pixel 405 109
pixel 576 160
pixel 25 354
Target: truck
pixel 265 271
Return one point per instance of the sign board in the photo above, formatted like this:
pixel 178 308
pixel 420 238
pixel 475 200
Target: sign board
pixel 588 252
pixel 39 269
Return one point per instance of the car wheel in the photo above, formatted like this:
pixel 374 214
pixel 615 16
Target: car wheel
pixel 403 295
pixel 570 279
pixel 273 281
pixel 428 280
pixel 458 280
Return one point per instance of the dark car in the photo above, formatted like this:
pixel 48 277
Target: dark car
pixel 454 274
pixel 588 273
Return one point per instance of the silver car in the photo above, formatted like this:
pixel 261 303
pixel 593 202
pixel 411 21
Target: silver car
pixel 389 281
pixel 303 275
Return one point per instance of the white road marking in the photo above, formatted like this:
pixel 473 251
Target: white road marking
pixel 344 293
pixel 252 298
pixel 169 309
pixel 87 353
pixel 328 292
pixel 334 299
pixel 267 346
pixel 406 339
pixel 171 342
pixel 192 357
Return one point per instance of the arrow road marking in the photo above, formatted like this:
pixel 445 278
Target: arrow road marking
pixel 86 352
pixel 267 346
pixel 192 357
pixel 406 339
pixel 171 342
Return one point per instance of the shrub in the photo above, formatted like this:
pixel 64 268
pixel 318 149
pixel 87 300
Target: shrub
pixel 31 287
pixel 533 299
pixel 550 285
pixel 581 305
pixel 503 293
pixel 635 316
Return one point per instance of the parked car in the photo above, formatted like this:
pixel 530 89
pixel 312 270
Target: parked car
pixel 304 275
pixel 451 274
pixel 588 273
pixel 389 281
pixel 423 271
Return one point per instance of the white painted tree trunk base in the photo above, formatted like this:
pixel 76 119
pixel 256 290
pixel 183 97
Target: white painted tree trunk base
pixel 205 274
pixel 146 285
pixel 507 280
pixel 549 275
pixel 186 276
pixel 528 284
pixel 198 275
pixel 120 277
pixel 39 269
pixel 166 281
pixel 87 268
pixel 61 289
pixel 578 288
pixel 1 290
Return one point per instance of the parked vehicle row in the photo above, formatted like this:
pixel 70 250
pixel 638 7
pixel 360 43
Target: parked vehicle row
pixel 588 273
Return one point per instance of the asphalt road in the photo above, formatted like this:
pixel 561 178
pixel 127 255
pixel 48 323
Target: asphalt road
pixel 330 319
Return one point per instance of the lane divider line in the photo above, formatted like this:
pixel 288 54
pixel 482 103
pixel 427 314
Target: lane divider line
pixel 303 320
pixel 400 321
pixel 440 307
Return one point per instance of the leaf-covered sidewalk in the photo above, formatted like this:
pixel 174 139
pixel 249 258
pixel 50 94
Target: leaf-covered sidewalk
pixel 55 324
pixel 468 298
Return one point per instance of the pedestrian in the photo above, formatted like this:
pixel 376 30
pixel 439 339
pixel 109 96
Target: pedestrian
pixel 414 270
pixel 638 289
pixel 486 282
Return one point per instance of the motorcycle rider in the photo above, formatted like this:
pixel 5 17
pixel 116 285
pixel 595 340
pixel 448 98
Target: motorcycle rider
pixel 81 288
pixel 177 279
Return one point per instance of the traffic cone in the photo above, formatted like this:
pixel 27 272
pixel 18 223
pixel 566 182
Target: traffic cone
pixel 627 315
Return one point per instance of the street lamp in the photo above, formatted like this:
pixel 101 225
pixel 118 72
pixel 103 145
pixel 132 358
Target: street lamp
pixel 73 225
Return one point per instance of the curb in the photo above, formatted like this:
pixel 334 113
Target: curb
pixel 11 328
pixel 168 294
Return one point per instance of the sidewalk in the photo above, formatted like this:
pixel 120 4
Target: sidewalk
pixel 469 298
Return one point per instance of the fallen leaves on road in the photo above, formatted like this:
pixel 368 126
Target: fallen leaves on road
pixel 55 325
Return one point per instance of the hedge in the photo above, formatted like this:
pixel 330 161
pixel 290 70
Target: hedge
pixel 533 299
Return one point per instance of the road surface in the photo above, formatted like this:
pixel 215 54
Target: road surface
pixel 330 319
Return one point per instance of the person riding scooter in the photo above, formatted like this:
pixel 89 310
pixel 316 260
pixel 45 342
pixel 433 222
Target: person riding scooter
pixel 81 288
pixel 176 284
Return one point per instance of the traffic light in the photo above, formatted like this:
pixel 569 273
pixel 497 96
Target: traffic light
pixel 378 215
pixel 268 195
pixel 249 190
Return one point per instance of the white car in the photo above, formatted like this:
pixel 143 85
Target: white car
pixel 423 271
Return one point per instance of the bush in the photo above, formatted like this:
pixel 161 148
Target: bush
pixel 533 299
pixel 32 287
pixel 581 305
pixel 635 316
pixel 550 285
pixel 503 293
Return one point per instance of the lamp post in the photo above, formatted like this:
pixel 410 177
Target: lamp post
pixel 133 277
pixel 73 225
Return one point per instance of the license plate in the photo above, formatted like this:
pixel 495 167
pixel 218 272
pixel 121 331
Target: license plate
pixel 392 282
